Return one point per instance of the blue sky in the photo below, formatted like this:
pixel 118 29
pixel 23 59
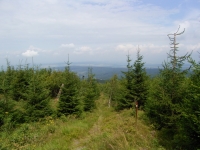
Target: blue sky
pixel 96 30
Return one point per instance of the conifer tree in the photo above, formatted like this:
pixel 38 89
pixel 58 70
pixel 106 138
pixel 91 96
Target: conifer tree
pixel 135 83
pixel 8 77
pixel 91 91
pixel 19 83
pixel 6 105
pixel 163 106
pixel 54 82
pixel 9 114
pixel 127 101
pixel 189 133
pixel 37 96
pixel 69 102
pixel 139 82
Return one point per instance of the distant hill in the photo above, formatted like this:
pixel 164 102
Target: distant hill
pixel 104 73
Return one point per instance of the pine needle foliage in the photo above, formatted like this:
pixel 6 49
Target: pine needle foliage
pixel 190 118
pixel 139 83
pixel 54 82
pixel 135 83
pixel 127 101
pixel 6 104
pixel 167 96
pixel 91 91
pixel 37 96
pixel 69 102
pixel 10 115
pixel 19 82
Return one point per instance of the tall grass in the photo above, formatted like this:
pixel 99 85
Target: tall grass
pixel 102 129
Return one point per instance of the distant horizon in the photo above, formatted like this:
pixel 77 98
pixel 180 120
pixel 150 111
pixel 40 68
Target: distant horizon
pixel 103 64
pixel 86 64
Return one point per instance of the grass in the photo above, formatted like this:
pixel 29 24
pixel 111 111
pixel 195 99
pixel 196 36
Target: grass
pixel 102 129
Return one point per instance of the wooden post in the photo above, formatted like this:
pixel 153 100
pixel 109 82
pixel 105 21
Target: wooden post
pixel 136 111
pixel 60 91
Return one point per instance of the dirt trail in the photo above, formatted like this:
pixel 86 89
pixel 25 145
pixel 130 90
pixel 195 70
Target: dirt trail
pixel 101 112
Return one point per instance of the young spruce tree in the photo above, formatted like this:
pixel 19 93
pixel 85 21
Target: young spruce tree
pixel 139 83
pixel 189 134
pixel 69 102
pixel 127 101
pixel 135 83
pixel 164 104
pixel 37 96
pixel 91 91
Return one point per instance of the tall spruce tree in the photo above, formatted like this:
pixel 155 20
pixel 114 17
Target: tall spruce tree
pixel 6 104
pixel 127 101
pixel 135 83
pixel 69 102
pixel 37 96
pixel 139 83
pixel 189 133
pixel 163 106
pixel 19 83
pixel 54 82
pixel 91 91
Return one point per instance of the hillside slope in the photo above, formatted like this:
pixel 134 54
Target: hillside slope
pixel 103 129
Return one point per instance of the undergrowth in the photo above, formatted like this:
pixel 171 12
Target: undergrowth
pixel 102 129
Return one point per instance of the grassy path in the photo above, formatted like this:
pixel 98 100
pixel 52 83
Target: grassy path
pixel 102 129
pixel 115 131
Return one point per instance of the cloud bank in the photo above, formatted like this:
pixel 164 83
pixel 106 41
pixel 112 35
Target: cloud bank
pixel 101 30
pixel 30 53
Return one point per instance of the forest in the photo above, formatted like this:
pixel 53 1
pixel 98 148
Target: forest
pixel 168 103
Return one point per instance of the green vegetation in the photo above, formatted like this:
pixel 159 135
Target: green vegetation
pixel 170 103
pixel 134 84
pixel 104 128
pixel 139 83
pixel 69 102
pixel 44 109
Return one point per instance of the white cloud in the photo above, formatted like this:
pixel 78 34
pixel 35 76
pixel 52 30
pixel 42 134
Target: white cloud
pixel 95 23
pixel 185 24
pixel 30 53
pixel 84 50
pixel 51 1
pixel 71 45
pixel 195 47
pixel 126 48
pixel 145 48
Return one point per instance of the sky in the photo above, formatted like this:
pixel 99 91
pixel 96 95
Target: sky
pixel 100 31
